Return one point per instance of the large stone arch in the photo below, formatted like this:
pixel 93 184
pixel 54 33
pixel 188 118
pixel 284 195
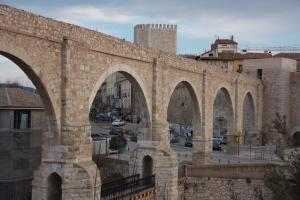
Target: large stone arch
pixel 52 136
pixel 249 126
pixel 249 113
pixel 296 138
pixel 70 175
pixel 55 190
pixel 137 83
pixel 120 68
pixel 193 113
pixel 147 166
pixel 223 112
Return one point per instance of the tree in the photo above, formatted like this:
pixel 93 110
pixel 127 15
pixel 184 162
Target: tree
pixel 117 142
pixel 279 123
pixel 284 181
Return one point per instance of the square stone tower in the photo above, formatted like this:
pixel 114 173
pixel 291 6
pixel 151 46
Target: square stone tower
pixel 157 36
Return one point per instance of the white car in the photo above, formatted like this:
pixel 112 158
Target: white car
pixel 118 122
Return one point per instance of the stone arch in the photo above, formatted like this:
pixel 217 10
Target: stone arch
pixel 249 118
pixel 223 113
pixel 121 68
pixel 147 166
pixel 54 183
pixel 143 94
pixel 188 106
pixel 296 138
pixel 53 130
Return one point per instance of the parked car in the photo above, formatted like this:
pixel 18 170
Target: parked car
pixel 221 137
pixel 217 144
pixel 118 122
pixel 174 140
pixel 188 142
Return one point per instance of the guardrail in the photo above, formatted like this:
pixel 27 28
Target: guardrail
pixel 126 187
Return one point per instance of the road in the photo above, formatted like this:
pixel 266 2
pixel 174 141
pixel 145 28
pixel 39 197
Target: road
pixel 185 153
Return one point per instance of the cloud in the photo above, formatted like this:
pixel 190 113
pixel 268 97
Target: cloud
pixel 265 22
pixel 11 72
pixel 92 13
pixel 246 29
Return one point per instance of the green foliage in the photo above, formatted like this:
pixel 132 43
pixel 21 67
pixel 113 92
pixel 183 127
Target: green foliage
pixel 258 193
pixel 117 142
pixel 279 123
pixel 93 113
pixel 284 182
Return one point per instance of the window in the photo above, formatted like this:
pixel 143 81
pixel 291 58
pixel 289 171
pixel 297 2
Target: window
pixel 22 119
pixel 259 74
pixel 240 69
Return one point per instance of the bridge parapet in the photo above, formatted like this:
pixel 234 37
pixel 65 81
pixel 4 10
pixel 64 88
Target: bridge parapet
pixel 256 171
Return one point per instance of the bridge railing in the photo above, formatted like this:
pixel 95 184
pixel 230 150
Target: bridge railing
pixel 126 187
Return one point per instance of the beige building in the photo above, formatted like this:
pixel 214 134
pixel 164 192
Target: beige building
pixel 221 46
pixel 293 56
pixel 21 125
pixel 281 95
pixel 123 94
pixel 224 53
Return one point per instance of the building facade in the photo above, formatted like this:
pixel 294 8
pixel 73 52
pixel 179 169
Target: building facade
pixel 293 56
pixel 22 120
pixel 123 94
pixel 224 53
pixel 281 96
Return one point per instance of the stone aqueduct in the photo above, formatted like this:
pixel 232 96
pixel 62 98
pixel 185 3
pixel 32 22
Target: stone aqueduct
pixel 68 64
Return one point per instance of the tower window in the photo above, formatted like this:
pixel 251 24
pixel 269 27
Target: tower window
pixel 259 74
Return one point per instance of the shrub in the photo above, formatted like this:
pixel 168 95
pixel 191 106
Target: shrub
pixel 284 182
pixel 117 142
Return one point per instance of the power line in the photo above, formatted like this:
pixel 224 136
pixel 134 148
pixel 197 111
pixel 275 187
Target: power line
pixel 295 48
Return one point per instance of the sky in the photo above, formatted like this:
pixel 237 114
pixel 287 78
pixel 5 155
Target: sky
pixel 255 23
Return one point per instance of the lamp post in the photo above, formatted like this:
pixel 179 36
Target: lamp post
pixel 237 136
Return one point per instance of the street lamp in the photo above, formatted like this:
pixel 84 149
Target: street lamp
pixel 237 136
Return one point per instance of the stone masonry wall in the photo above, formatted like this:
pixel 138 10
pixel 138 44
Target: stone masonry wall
pixel 180 109
pixel 276 93
pixel 69 63
pixel 109 167
pixel 206 188
pixel 294 102
pixel 157 36
pixel 225 182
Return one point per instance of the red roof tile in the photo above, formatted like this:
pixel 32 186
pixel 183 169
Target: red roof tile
pixel 238 56
pixel 19 98
pixel 295 56
pixel 225 41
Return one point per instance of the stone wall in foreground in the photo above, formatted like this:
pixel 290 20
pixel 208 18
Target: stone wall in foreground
pixel 225 182
pixel 225 189
pixel 111 168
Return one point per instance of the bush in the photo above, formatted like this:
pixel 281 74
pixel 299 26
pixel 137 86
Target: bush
pixel 117 142
pixel 284 182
